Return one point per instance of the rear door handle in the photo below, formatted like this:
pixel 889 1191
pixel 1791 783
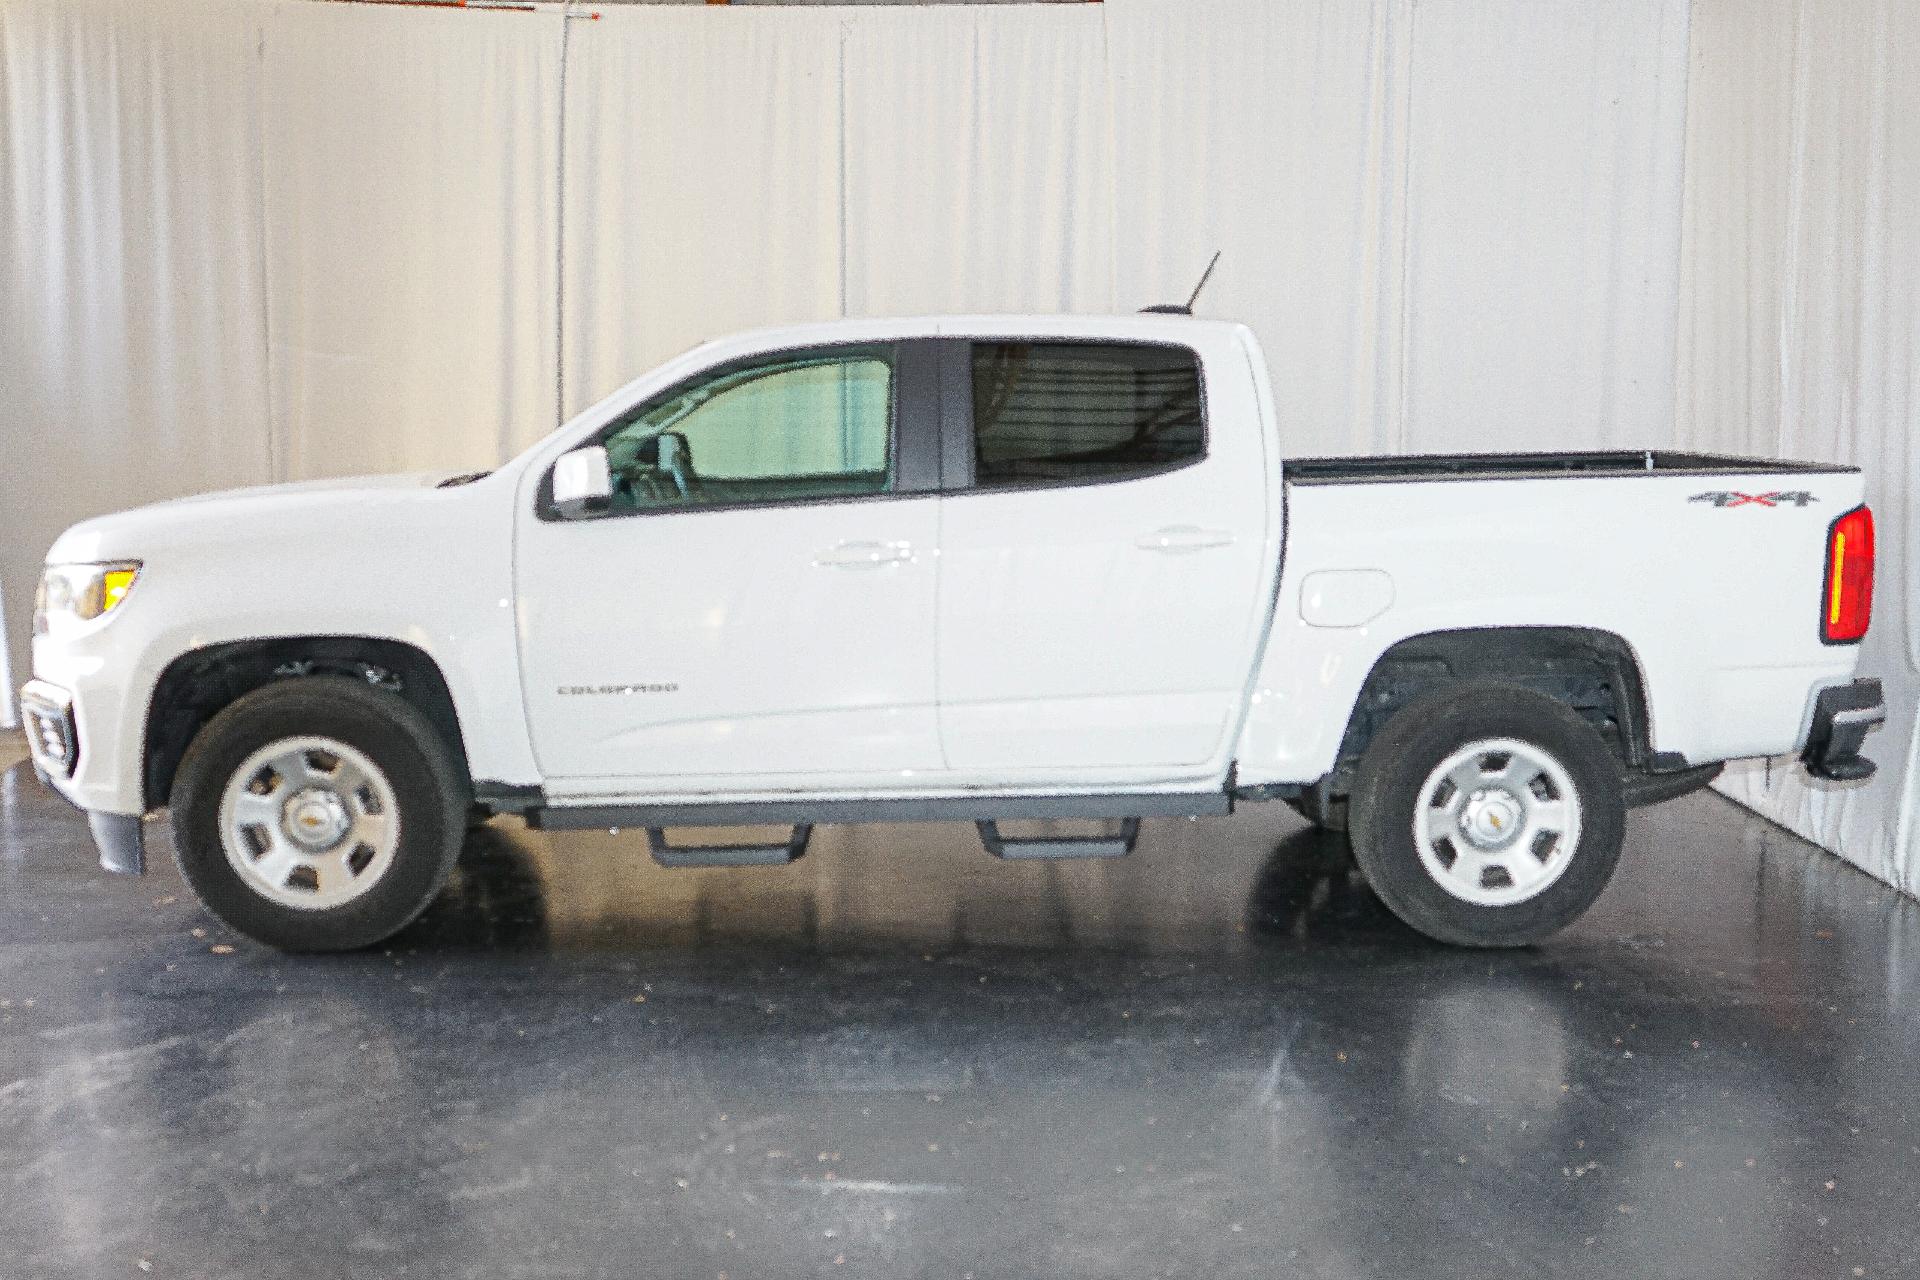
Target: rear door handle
pixel 863 555
pixel 1183 539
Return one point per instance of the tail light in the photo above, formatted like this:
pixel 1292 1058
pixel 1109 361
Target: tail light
pixel 1846 602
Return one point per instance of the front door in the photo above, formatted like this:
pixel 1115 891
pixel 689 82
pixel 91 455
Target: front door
pixel 759 600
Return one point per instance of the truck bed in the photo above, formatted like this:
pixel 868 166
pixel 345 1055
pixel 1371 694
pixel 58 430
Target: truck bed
pixel 1541 466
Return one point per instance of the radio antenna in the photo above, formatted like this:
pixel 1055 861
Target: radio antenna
pixel 1186 309
pixel 1205 276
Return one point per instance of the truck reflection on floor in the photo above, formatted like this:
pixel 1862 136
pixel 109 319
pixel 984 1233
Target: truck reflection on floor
pixel 1191 887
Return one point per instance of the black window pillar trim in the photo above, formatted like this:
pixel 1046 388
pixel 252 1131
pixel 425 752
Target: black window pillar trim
pixel 917 425
pixel 956 413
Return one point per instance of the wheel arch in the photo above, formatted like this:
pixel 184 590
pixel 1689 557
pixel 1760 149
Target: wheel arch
pixel 1595 672
pixel 198 684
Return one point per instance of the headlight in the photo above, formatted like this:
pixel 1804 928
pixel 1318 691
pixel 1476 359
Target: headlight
pixel 81 592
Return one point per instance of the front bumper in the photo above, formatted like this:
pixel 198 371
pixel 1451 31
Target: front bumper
pixel 1842 717
pixel 53 741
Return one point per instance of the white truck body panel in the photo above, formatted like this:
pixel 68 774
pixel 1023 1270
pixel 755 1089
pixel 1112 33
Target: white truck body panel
pixel 1719 605
pixel 1151 634
pixel 742 644
pixel 390 558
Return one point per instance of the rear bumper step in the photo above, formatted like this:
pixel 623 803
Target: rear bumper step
pixel 1842 717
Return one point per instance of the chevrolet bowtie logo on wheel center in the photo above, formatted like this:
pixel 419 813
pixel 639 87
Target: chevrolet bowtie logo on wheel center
pixel 1734 498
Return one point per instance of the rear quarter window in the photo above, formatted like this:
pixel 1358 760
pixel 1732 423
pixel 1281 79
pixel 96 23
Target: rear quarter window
pixel 1079 412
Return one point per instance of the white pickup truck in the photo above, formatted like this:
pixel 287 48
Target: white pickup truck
pixel 987 569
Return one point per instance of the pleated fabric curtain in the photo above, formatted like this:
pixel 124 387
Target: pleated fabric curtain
pixel 132 291
pixel 410 224
pixel 1799 331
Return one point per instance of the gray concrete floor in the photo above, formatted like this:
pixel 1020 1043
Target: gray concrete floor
pixel 901 1058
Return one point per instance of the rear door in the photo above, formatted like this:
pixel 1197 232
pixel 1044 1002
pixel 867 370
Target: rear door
pixel 1108 554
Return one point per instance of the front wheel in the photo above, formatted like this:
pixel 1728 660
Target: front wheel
pixel 318 814
pixel 1487 815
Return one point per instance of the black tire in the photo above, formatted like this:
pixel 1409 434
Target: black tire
pixel 429 786
pixel 1414 743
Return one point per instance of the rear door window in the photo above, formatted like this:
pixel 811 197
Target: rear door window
pixel 1083 412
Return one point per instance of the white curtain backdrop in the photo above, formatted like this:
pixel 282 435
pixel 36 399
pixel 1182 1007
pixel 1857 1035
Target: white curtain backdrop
pixel 1275 134
pixel 1543 192
pixel 1454 223
pixel 274 239
pixel 702 183
pixel 1800 328
pixel 410 218
pixel 9 715
pixel 979 161
pixel 132 321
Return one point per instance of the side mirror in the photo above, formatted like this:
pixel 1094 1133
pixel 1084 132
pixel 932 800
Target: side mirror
pixel 582 483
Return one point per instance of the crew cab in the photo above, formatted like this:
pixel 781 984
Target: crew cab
pixel 981 569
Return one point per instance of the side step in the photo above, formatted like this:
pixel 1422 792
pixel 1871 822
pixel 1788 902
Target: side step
pixel 729 855
pixel 971 807
pixel 1115 846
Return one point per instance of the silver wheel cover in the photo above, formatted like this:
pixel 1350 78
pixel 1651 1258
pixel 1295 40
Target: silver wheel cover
pixel 1497 822
pixel 309 823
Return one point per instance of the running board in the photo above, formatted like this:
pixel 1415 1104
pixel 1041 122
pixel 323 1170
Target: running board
pixel 971 807
pixel 729 855
pixel 1013 850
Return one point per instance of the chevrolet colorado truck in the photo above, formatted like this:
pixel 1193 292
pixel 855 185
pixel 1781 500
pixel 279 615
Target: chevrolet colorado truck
pixel 981 569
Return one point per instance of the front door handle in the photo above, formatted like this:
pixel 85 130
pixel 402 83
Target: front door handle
pixel 863 555
pixel 1183 539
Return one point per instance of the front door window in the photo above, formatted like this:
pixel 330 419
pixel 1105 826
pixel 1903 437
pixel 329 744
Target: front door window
pixel 801 427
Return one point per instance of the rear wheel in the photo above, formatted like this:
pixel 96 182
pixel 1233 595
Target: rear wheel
pixel 318 814
pixel 1487 815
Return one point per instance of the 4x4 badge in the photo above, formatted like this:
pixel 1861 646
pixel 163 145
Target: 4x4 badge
pixel 1733 498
